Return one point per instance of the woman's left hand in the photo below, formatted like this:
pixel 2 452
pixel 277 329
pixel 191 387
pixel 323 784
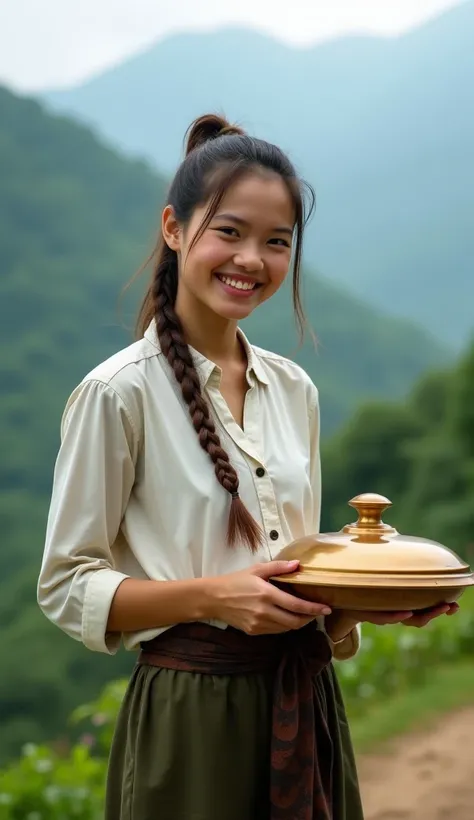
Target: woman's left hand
pixel 417 619
pixel 422 618
pixel 341 622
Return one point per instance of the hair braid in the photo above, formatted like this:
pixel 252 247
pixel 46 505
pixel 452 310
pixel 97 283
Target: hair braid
pixel 170 333
pixel 217 155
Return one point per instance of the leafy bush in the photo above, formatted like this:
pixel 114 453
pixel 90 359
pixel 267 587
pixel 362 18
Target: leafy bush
pixel 47 785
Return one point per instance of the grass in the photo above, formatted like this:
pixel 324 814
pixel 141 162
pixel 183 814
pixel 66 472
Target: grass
pixel 452 687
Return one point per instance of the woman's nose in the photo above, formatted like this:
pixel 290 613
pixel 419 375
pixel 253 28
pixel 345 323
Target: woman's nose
pixel 249 258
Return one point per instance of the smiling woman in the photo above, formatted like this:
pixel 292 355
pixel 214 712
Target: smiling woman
pixel 187 461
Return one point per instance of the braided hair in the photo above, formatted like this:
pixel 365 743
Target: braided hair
pixel 217 154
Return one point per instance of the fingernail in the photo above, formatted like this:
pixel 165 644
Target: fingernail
pixel 292 563
pixel 326 610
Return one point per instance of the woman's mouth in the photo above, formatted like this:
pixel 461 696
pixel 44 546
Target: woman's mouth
pixel 237 285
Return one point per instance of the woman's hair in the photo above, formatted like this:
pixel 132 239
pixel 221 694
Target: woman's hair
pixel 217 155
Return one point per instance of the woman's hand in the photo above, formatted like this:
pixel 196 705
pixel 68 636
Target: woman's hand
pixel 423 617
pixel 341 623
pixel 247 601
pixel 417 619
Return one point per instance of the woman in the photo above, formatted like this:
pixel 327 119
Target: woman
pixel 187 461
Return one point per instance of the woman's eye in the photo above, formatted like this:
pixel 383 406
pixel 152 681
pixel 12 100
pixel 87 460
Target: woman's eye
pixel 282 243
pixel 228 231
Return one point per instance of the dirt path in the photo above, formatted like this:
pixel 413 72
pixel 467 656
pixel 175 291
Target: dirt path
pixel 429 776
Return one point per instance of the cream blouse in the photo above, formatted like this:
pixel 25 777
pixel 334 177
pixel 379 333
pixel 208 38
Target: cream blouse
pixel 134 495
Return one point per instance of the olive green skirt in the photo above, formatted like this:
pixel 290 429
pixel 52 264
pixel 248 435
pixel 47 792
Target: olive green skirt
pixel 191 746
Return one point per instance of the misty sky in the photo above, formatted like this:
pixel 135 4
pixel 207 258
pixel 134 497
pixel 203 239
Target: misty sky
pixel 52 43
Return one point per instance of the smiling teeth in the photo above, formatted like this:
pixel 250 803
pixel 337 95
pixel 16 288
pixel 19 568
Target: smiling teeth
pixel 237 283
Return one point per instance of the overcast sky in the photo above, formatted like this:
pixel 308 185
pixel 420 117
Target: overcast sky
pixel 53 43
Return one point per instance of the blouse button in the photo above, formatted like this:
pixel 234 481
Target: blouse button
pixel 274 535
pixel 260 472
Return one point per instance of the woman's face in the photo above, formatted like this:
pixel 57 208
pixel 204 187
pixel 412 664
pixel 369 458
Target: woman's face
pixel 243 256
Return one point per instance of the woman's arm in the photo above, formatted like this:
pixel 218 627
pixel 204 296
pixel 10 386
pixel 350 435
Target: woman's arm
pixel 93 479
pixel 79 588
pixel 243 599
pixel 140 604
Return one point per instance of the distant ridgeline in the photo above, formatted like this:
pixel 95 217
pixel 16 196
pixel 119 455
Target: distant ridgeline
pixel 383 128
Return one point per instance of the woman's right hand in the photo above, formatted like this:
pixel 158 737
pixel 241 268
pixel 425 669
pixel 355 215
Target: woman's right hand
pixel 247 601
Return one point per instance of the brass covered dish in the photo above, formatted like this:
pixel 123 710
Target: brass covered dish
pixel 368 565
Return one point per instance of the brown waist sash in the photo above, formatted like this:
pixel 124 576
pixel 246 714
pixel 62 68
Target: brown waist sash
pixel 301 786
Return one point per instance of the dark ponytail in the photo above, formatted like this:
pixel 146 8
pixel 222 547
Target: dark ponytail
pixel 217 154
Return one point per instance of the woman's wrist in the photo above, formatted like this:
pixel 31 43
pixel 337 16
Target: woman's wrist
pixel 339 625
pixel 208 598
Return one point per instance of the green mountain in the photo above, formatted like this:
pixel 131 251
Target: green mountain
pixel 419 453
pixel 76 220
pixel 74 223
pixel 383 128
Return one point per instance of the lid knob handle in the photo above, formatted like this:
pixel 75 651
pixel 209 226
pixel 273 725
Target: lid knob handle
pixel 370 507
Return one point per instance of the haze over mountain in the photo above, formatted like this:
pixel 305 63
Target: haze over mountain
pixel 383 128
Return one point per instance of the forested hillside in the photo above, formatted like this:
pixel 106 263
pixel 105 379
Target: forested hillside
pixel 419 453
pixel 76 221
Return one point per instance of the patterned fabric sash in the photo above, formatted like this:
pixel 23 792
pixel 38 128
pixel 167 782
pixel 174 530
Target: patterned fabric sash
pixel 301 779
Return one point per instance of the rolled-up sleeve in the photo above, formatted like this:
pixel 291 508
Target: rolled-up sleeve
pixel 93 478
pixel 349 646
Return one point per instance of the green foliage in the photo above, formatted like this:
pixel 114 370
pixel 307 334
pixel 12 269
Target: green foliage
pixel 60 781
pixel 47 785
pixel 102 712
pixel 394 659
pixel 418 453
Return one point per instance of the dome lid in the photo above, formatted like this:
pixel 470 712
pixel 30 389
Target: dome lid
pixel 371 553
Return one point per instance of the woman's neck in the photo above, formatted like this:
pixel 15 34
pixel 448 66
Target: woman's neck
pixel 213 336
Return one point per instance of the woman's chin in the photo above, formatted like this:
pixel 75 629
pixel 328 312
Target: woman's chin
pixel 236 314
pixel 233 312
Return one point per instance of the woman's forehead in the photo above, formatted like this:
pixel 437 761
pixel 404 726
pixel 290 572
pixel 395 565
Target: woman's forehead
pixel 259 197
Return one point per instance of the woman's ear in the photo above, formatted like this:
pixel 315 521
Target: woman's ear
pixel 171 229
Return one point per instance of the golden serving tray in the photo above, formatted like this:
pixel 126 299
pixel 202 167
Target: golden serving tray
pixel 369 566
